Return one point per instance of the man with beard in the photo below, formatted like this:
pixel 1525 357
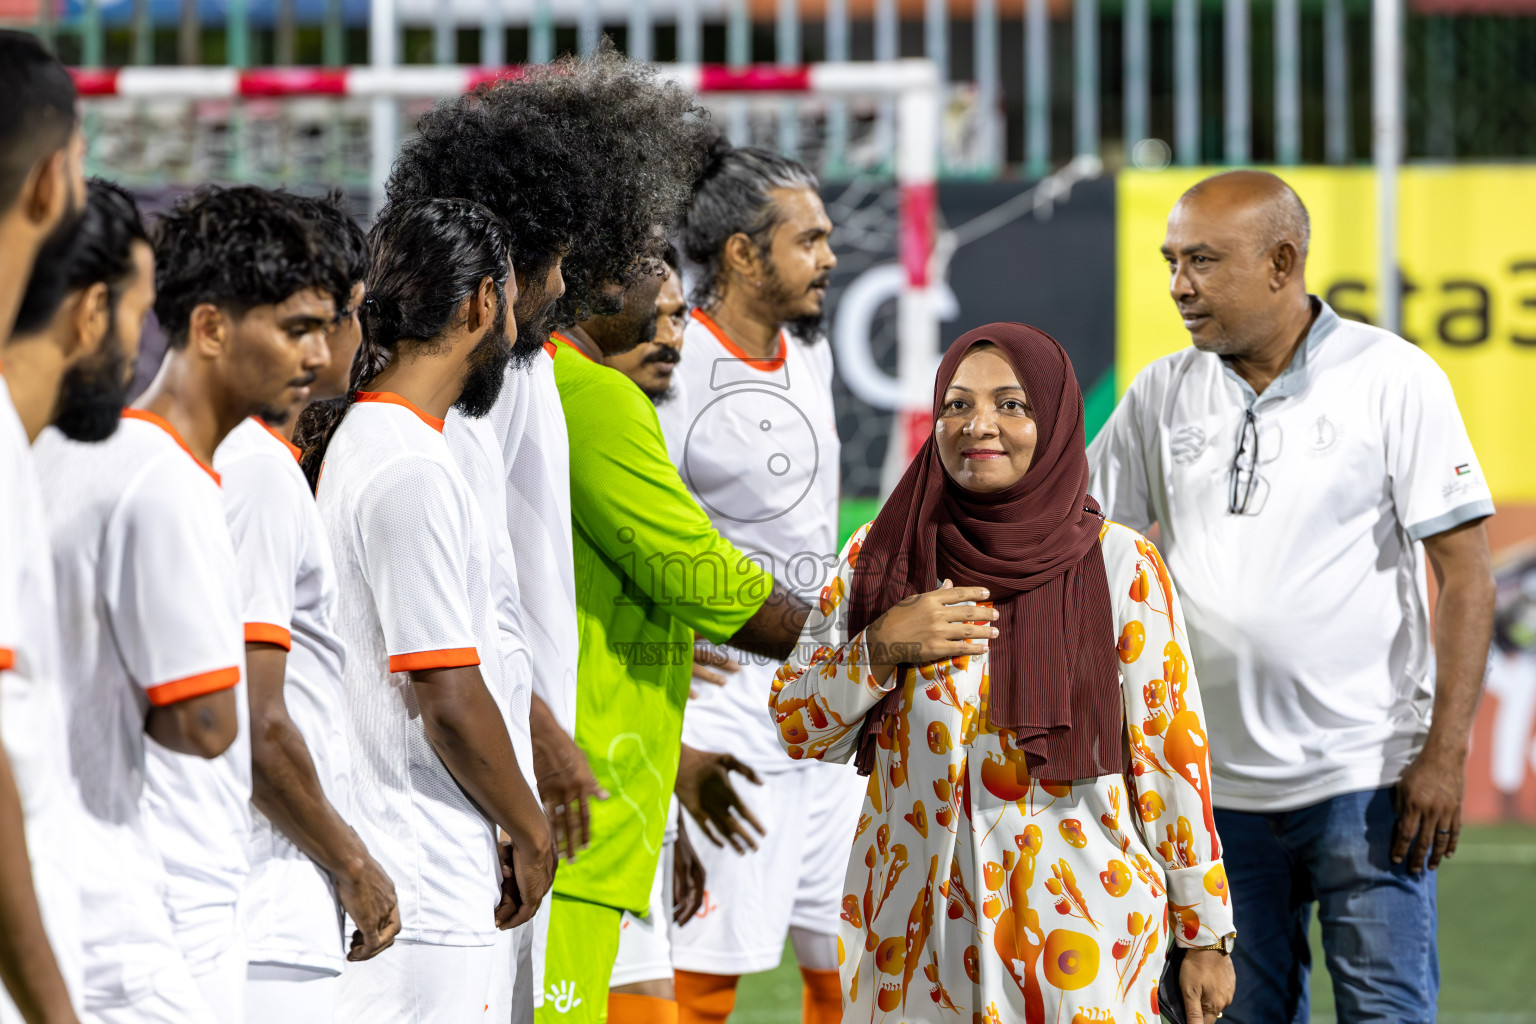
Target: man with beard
pixel 651 363
pixel 436 771
pixel 305 858
pixel 760 453
pixel 73 369
pixel 42 192
pixel 149 606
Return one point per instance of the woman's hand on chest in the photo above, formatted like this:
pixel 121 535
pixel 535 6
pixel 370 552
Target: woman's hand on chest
pixel 945 623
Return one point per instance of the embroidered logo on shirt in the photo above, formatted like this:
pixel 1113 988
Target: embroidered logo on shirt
pixel 1323 436
pixel 1188 445
pixel 1465 469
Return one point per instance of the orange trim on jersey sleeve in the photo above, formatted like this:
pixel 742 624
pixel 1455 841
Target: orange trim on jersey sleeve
pixel 293 449
pixel 193 686
pixel 766 365
pixel 266 633
pixel 7 658
pixel 421 661
pixel 568 343
pixel 159 421
pixel 390 398
pixel 550 348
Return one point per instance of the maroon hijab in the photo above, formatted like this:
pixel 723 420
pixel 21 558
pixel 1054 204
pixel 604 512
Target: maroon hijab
pixel 1035 546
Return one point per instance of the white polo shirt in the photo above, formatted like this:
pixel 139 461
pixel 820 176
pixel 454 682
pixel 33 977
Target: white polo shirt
pixel 413 565
pixel 1308 615
pixel 759 452
pixel 148 615
pixel 288 595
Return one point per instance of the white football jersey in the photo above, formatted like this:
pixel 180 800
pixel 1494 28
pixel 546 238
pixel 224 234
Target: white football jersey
pixel 477 452
pixel 529 422
pixel 148 615
pixel 32 711
pixel 760 454
pixel 288 594
pixel 414 567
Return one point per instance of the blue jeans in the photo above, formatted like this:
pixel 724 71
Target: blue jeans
pixel 1378 921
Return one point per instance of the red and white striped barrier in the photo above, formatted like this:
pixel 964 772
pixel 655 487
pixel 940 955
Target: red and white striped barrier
pixel 914 84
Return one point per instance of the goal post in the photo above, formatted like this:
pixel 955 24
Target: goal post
pixel 911 89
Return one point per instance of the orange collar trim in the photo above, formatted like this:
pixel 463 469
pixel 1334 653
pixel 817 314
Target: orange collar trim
pixel 293 449
pixel 766 365
pixel 568 343
pixel 391 398
pixel 159 421
pixel 550 348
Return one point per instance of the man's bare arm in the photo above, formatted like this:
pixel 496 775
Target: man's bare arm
pixel 286 788
pixel 773 629
pixel 200 726
pixel 466 729
pixel 1431 789
pixel 27 966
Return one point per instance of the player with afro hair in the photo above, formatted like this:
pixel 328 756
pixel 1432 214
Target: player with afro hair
pixel 588 160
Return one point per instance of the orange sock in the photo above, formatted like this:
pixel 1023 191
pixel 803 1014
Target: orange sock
pixel 823 1002
pixel 704 998
pixel 626 1008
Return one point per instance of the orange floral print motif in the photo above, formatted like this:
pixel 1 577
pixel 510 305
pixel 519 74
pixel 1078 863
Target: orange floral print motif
pixel 1164 580
pixel 1069 898
pixel 1116 878
pixel 1188 918
pixel 1131 953
pixel 1215 882
pixel 918 819
pixel 1186 746
pixel 1132 639
pixel 1006 777
pixel 919 924
pixel 961 905
pixel 1071 959
pixel 1072 831
pixel 1176 848
pixel 1093 1016
pixel 1150 806
pixel 938 993
pixel 1017 937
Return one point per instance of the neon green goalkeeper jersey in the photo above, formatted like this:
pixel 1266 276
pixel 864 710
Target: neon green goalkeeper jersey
pixel 650 571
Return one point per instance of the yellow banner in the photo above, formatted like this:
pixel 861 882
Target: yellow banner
pixel 1467 248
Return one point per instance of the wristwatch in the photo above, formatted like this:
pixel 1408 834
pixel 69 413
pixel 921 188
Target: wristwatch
pixel 1225 944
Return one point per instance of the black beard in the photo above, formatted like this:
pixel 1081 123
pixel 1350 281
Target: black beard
pixel 93 392
pixel 533 328
pixel 661 398
pixel 486 370
pixel 810 328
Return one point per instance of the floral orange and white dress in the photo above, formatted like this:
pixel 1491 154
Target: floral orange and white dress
pixel 977 894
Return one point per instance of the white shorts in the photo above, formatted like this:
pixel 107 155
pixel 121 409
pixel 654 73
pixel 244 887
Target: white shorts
pixel 511 998
pixel 645 946
pixel 221 980
pixel 793 879
pixel 418 983
pixel 285 994
pixel 172 998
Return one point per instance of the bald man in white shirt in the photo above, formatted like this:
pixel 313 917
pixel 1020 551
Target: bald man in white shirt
pixel 1301 467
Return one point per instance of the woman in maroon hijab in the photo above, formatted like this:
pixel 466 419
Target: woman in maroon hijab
pixel 1011 672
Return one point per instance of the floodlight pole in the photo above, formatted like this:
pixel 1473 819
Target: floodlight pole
pixel 384 131
pixel 1387 149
